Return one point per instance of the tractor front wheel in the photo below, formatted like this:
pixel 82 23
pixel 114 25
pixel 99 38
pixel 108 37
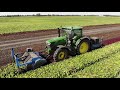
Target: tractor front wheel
pixel 83 47
pixel 60 54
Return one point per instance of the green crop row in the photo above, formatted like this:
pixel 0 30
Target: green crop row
pixel 8 71
pixel 66 67
pixel 32 23
pixel 107 68
pixel 72 65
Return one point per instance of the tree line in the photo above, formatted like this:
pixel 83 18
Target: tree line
pixel 38 14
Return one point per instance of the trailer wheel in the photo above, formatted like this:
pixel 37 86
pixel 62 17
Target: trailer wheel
pixel 60 54
pixel 20 70
pixel 29 67
pixel 83 46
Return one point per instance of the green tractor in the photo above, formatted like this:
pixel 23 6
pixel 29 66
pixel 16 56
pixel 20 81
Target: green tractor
pixel 71 42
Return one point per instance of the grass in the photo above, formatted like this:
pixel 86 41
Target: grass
pixel 31 23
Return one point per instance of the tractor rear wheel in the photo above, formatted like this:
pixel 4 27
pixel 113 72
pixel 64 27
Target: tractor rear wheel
pixel 60 54
pixel 83 47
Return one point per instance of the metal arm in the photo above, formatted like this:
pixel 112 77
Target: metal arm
pixel 12 53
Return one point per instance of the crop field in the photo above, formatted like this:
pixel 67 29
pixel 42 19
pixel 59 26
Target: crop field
pixel 32 23
pixel 100 63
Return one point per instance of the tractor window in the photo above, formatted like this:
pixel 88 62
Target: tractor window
pixel 77 32
pixel 62 33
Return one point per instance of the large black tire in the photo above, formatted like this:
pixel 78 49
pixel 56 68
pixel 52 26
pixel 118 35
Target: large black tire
pixel 60 54
pixel 20 70
pixel 29 67
pixel 39 63
pixel 81 49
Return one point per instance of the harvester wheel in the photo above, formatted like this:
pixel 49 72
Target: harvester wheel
pixel 60 54
pixel 29 67
pixel 20 70
pixel 83 47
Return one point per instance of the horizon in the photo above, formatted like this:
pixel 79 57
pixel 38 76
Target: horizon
pixel 60 13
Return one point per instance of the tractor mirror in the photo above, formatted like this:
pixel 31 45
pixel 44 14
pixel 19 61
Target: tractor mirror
pixel 58 32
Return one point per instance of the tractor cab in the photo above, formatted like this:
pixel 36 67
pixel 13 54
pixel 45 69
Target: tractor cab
pixel 70 31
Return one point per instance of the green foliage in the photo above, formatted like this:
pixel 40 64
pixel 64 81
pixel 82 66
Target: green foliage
pixel 30 23
pixel 107 68
pixel 8 71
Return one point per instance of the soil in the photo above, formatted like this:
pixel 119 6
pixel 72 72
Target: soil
pixel 28 34
pixel 100 26
pixel 108 35
pixel 110 41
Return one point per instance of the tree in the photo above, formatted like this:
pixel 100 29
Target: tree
pixel 38 14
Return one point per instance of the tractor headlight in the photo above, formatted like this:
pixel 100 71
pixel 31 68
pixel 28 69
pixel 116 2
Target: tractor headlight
pixel 49 44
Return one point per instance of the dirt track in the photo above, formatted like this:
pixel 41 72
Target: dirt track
pixel 37 39
pixel 30 34
pixel 45 36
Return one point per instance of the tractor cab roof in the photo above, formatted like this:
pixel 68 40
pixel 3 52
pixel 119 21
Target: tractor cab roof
pixel 72 28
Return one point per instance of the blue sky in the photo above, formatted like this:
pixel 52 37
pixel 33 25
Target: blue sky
pixel 60 13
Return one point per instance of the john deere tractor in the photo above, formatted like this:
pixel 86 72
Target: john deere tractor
pixel 71 42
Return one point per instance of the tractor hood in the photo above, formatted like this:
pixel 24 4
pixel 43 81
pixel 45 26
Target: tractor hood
pixel 56 41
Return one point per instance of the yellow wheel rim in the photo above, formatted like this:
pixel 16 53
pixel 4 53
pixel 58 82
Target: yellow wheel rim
pixel 61 55
pixel 84 47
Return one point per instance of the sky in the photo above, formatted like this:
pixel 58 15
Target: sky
pixel 60 13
